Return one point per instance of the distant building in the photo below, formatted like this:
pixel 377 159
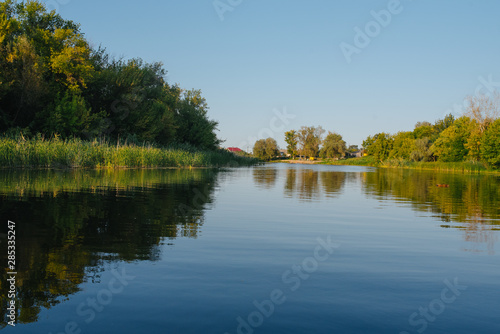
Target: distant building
pixel 284 153
pixel 234 149
pixel 356 154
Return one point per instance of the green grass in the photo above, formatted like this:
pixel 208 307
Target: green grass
pixel 363 161
pixel 462 166
pixel 76 153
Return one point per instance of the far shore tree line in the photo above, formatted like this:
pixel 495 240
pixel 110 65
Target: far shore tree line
pixel 306 142
pixel 53 83
pixel 475 136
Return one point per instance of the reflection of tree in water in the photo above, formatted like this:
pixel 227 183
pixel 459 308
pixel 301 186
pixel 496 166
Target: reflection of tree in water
pixel 265 177
pixel 333 182
pixel 68 227
pixel 290 182
pixel 469 203
pixel 477 233
pixel 309 184
pixel 308 188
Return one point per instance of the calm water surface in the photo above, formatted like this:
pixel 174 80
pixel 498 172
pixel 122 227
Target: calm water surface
pixel 270 249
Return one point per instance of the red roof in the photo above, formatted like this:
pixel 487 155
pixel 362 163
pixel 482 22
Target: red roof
pixel 233 149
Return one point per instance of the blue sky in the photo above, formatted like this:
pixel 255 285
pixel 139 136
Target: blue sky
pixel 267 57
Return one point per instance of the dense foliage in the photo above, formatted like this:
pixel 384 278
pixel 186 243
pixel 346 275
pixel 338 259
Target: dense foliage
pixel 53 82
pixel 333 146
pixel 473 137
pixel 266 149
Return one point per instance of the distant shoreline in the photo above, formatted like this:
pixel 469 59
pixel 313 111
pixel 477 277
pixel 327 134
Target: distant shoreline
pixel 466 167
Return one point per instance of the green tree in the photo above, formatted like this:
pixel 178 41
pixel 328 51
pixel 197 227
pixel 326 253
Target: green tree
pixel 442 124
pixel 333 146
pixel 70 116
pixel 422 151
pixel 310 138
pixel 353 148
pixel 490 148
pixel 259 149
pixel 482 110
pixel 194 126
pixel 52 81
pixel 422 130
pixel 41 55
pixel 379 146
pixel 451 143
pixel 367 144
pixel 403 145
pixel 272 150
pixel 291 138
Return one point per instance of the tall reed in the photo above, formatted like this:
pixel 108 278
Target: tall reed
pixel 57 153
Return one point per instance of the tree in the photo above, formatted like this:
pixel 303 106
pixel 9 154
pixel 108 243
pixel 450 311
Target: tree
pixel 265 149
pixel 422 130
pixel 333 146
pixel 403 145
pixel 52 81
pixel 71 116
pixel 490 148
pixel 451 143
pixel 41 55
pixel 484 109
pixel 379 145
pixel 259 149
pixel 442 124
pixel 353 148
pixel 422 151
pixel 272 150
pixel 309 140
pixel 291 138
pixel 194 126
pixel 367 143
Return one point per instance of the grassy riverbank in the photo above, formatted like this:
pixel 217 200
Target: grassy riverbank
pixel 462 167
pixel 76 153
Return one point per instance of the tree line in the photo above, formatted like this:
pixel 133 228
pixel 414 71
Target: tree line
pixel 306 142
pixel 52 82
pixel 475 136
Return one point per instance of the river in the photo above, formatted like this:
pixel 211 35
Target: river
pixel 276 248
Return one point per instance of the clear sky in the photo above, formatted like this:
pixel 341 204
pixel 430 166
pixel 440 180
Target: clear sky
pixel 266 57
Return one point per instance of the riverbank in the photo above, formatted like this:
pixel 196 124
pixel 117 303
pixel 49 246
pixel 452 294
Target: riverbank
pixel 76 153
pixel 470 167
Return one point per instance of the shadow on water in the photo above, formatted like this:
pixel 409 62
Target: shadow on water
pixel 71 224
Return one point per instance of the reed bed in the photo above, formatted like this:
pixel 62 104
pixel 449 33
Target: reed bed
pixel 467 167
pixel 76 153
